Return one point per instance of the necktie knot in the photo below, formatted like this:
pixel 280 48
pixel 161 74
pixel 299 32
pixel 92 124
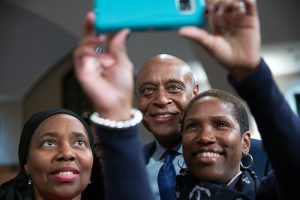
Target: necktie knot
pixel 169 157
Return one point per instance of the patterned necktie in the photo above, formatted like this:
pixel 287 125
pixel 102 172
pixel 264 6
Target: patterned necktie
pixel 167 177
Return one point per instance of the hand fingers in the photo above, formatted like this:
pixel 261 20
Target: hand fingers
pixel 106 60
pixel 86 58
pixel 199 35
pixel 218 7
pixel 117 46
pixel 88 27
pixel 87 46
pixel 251 7
pixel 215 14
pixel 223 13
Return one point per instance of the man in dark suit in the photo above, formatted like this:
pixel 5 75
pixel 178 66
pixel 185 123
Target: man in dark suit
pixel 164 86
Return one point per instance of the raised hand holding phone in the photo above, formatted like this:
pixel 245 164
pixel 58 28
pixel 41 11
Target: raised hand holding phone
pixel 106 77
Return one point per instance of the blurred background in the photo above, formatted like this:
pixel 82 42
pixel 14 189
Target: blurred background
pixel 37 38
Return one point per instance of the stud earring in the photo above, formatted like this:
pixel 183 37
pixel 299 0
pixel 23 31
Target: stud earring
pixel 29 181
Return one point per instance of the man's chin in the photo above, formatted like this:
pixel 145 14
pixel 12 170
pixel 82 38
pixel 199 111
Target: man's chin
pixel 168 138
pixel 169 141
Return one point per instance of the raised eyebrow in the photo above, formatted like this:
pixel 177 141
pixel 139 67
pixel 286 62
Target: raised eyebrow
pixel 80 134
pixel 189 120
pixel 146 83
pixel 175 81
pixel 48 134
pixel 54 134
pixel 223 118
pixel 167 81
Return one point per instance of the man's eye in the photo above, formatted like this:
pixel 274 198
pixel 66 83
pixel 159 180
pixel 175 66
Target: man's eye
pixel 174 89
pixel 147 91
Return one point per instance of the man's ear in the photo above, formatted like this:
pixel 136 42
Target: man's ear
pixel 196 89
pixel 246 142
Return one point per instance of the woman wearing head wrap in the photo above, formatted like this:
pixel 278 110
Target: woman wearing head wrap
pixel 56 159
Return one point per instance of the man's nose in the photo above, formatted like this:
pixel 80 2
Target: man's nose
pixel 162 98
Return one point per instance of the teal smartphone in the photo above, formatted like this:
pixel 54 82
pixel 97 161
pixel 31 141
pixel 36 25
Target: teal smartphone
pixel 141 15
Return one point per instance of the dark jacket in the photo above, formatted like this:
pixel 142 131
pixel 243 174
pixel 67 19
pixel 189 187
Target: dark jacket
pixel 244 187
pixel 278 125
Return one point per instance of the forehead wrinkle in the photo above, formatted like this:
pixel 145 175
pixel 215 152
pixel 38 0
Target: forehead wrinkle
pixel 56 134
pixel 225 109
pixel 151 68
pixel 180 73
pixel 162 60
pixel 68 122
pixel 50 134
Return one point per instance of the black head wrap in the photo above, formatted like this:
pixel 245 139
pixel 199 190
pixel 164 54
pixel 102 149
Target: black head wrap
pixel 34 121
pixel 18 188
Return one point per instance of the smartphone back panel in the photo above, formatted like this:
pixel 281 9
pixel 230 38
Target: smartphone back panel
pixel 113 15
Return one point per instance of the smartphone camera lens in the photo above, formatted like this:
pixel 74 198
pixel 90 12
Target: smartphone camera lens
pixel 185 5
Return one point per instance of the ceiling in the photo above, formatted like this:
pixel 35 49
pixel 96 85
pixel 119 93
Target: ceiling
pixel 37 34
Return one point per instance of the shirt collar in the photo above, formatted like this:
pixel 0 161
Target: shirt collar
pixel 234 179
pixel 160 150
